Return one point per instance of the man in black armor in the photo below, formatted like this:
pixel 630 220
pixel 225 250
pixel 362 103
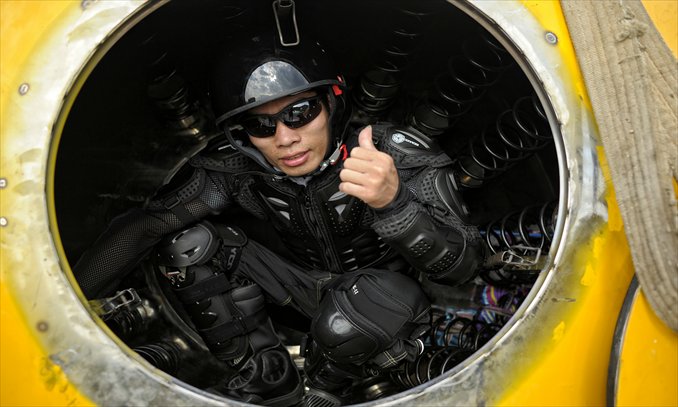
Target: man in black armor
pixel 363 214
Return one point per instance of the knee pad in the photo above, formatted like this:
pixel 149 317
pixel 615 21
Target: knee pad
pixel 196 261
pixel 189 247
pixel 200 243
pixel 373 316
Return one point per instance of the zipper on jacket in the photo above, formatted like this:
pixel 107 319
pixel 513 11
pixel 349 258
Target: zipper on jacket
pixel 330 259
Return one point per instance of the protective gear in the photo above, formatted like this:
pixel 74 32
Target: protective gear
pixel 198 279
pixel 348 246
pixel 368 321
pixel 371 317
pixel 258 69
pixel 185 189
pixel 436 242
pixel 419 241
pixel 229 316
pixel 324 228
pixel 193 246
pixel 329 384
pixel 269 376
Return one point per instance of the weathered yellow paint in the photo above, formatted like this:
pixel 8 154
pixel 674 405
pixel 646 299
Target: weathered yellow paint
pixel 24 24
pixel 648 373
pixel 29 378
pixel 572 371
pixel 664 15
pixel 550 15
pixel 559 332
pixel 559 378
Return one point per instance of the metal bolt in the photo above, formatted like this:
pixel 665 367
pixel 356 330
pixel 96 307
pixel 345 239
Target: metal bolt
pixel 3 221
pixel 86 3
pixel 42 326
pixel 24 88
pixel 3 183
pixel 551 38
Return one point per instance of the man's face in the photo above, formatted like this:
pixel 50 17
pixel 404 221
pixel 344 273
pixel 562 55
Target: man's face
pixel 296 152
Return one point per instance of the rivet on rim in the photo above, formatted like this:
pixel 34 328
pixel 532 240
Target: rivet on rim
pixel 86 3
pixel 24 88
pixel 42 326
pixel 551 38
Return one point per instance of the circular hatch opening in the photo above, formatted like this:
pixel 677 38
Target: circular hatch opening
pixel 144 110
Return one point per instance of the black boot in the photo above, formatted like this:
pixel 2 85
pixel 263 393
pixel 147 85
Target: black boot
pixel 268 376
pixel 329 384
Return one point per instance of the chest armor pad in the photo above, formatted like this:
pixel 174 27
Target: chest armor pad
pixel 322 227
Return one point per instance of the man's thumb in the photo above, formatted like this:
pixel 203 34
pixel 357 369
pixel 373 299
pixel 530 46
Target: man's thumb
pixel 365 138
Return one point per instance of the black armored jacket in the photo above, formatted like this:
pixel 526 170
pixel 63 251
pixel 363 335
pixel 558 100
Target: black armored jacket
pixel 324 228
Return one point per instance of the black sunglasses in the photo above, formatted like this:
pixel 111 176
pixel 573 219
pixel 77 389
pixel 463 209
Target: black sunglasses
pixel 295 115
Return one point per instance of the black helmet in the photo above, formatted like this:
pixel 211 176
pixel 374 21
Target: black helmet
pixel 258 69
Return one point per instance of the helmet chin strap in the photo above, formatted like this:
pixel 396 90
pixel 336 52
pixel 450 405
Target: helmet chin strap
pixel 251 152
pixel 331 160
pixel 336 138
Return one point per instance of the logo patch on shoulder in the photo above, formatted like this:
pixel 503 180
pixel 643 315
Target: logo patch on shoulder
pixel 398 138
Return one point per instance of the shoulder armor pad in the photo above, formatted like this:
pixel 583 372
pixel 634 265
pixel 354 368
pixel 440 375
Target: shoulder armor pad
pixel 187 184
pixel 408 146
pixel 222 157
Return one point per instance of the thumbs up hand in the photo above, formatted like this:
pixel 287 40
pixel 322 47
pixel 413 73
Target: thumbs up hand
pixel 369 174
pixel 365 139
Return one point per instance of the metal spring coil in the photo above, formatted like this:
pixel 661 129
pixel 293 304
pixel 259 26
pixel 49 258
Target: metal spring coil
pixel 163 355
pixel 129 322
pixel 451 340
pixel 432 363
pixel 379 86
pixel 170 96
pixel 517 133
pixel 169 92
pixel 466 80
pixel 531 227
pixel 517 243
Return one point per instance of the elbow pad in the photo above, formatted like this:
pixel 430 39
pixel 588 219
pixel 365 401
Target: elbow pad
pixel 441 252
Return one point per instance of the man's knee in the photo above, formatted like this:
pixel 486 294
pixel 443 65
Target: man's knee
pixel 198 262
pixel 373 316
